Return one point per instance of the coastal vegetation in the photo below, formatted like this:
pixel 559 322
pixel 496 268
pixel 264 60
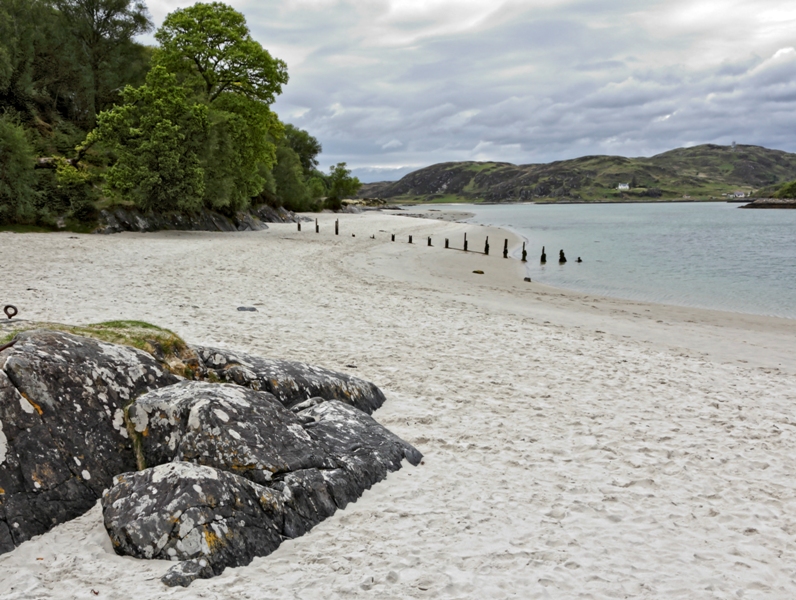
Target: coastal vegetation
pixel 706 172
pixel 90 118
pixel 786 191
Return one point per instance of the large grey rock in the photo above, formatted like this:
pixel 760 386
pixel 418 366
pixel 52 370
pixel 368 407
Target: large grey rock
pixel 250 433
pixel 310 464
pixel 64 436
pixel 62 431
pixel 185 512
pixel 226 426
pixel 291 382
pixel 363 450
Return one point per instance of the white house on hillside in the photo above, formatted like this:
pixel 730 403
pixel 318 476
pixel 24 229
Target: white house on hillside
pixel 623 186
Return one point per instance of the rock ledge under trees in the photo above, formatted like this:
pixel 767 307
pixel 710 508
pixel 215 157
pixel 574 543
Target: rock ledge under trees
pixel 120 218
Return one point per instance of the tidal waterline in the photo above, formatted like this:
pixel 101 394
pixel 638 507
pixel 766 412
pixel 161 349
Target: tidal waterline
pixel 709 255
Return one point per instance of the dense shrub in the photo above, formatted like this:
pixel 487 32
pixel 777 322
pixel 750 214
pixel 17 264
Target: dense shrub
pixel 291 188
pixel 17 178
pixel 787 191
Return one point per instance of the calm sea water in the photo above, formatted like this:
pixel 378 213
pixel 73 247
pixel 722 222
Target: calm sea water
pixel 709 255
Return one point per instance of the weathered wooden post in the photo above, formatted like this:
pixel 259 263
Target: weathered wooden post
pixel 486 246
pixel 446 242
pixel 299 225
pixel 337 227
pixel 524 253
pixel 506 249
pixel 465 242
pixel 317 229
pixel 544 256
pixel 429 240
pixel 410 239
pixel 393 237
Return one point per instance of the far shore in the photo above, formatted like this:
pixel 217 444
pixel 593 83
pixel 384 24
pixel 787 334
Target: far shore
pixel 545 201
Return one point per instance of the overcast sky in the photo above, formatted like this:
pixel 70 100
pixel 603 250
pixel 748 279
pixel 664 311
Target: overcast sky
pixel 389 86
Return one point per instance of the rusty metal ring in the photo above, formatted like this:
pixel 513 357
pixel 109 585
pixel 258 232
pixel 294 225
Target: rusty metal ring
pixel 10 311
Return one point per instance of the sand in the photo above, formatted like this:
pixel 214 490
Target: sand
pixel 575 447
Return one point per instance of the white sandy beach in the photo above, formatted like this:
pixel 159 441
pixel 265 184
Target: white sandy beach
pixel 575 447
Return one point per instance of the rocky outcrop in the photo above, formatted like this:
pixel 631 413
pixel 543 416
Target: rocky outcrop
pixel 225 426
pixel 186 512
pixel 290 382
pixel 212 474
pixel 771 203
pixel 362 449
pixel 62 430
pixel 239 457
pixel 119 218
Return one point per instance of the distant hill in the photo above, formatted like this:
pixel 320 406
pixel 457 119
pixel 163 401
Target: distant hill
pixel 700 172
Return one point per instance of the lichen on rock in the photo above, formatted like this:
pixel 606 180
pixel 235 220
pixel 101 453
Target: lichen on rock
pixel 290 382
pixel 302 466
pixel 234 468
pixel 60 396
pixel 225 426
pixel 186 512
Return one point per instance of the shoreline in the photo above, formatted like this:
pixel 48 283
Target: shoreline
pixel 411 203
pixel 572 444
pixel 767 340
pixel 464 218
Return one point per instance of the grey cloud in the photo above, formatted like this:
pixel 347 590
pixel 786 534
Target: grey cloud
pixel 600 66
pixel 526 85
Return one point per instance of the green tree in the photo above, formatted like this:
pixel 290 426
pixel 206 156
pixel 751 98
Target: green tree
pixel 237 152
pixel 159 136
pixel 28 36
pixel 75 189
pixel 291 188
pixel 46 77
pixel 210 46
pixel 305 146
pixel 103 29
pixel 210 49
pixel 17 179
pixel 341 185
pixel 316 186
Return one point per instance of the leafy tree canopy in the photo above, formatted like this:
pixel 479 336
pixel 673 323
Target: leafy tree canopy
pixel 341 185
pixel 305 146
pixel 158 135
pixel 101 27
pixel 210 45
pixel 237 151
pixel 194 131
pixel 17 194
pixel 291 187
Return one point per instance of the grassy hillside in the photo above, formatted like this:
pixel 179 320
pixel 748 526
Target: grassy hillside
pixel 701 172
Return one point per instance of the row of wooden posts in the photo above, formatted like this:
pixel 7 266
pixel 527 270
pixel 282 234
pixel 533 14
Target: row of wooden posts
pixel 447 241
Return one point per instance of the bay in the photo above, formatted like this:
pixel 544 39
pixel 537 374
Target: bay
pixel 708 255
